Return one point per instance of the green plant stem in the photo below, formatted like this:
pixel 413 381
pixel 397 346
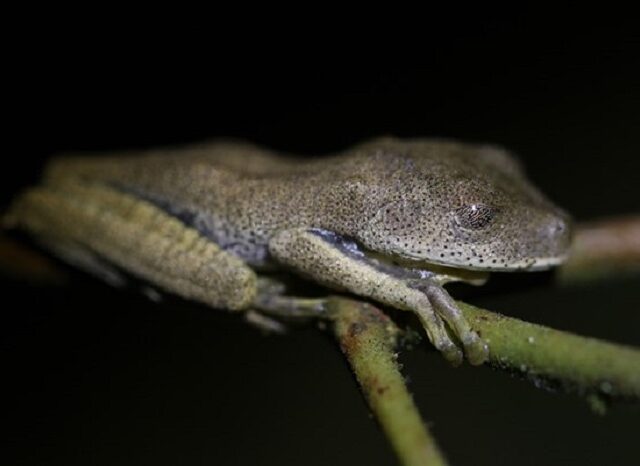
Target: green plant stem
pixel 547 357
pixel 558 359
pixel 367 337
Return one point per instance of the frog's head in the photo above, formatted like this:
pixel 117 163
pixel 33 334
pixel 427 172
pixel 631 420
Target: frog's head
pixel 463 206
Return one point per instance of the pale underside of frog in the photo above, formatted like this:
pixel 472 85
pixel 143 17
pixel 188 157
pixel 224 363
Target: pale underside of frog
pixel 390 220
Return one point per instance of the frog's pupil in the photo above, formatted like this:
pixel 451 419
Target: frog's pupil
pixel 474 216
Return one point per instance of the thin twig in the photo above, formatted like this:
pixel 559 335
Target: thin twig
pixel 367 337
pixel 609 247
pixel 22 262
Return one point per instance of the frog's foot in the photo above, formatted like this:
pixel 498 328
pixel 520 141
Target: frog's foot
pixel 271 308
pixel 475 349
pixel 291 307
pixel 264 323
pixel 270 286
pixel 272 301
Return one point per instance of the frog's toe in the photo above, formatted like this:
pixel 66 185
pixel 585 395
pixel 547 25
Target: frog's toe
pixel 476 350
pixel 438 335
pixel 450 352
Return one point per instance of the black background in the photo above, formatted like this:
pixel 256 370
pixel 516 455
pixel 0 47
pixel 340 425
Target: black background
pixel 99 376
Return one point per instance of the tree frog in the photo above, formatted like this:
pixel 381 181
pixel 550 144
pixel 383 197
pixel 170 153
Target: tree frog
pixel 390 220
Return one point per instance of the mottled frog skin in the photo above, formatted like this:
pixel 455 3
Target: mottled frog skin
pixel 391 220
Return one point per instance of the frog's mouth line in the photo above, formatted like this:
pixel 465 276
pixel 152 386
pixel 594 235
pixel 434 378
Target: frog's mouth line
pixel 526 265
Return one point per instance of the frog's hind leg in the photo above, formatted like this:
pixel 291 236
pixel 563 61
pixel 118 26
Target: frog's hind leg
pixel 138 237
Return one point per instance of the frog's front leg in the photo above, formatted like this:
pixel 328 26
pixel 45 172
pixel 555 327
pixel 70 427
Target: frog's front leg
pixel 476 350
pixel 327 258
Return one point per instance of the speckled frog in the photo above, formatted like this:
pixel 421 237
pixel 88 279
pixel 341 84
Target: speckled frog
pixel 390 220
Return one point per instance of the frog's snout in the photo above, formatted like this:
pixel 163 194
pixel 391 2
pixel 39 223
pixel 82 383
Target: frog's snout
pixel 558 226
pixel 556 232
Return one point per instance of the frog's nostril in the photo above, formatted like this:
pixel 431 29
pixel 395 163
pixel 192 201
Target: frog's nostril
pixel 559 226
pixel 559 229
pixel 555 228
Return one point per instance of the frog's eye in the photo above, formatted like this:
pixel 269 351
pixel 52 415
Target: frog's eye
pixel 474 216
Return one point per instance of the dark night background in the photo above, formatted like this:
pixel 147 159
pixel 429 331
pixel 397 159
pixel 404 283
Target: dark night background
pixel 99 376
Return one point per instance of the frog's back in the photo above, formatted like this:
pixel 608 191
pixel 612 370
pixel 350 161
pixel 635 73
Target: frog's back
pixel 238 195
pixel 243 161
pixel 235 159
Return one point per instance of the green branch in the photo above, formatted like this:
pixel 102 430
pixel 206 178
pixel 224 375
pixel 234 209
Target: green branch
pixel 547 357
pixel 367 337
pixel 559 359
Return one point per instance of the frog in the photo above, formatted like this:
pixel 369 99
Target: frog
pixel 391 220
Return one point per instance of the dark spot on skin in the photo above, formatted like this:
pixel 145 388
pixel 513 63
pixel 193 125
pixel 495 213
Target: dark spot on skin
pixel 356 329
